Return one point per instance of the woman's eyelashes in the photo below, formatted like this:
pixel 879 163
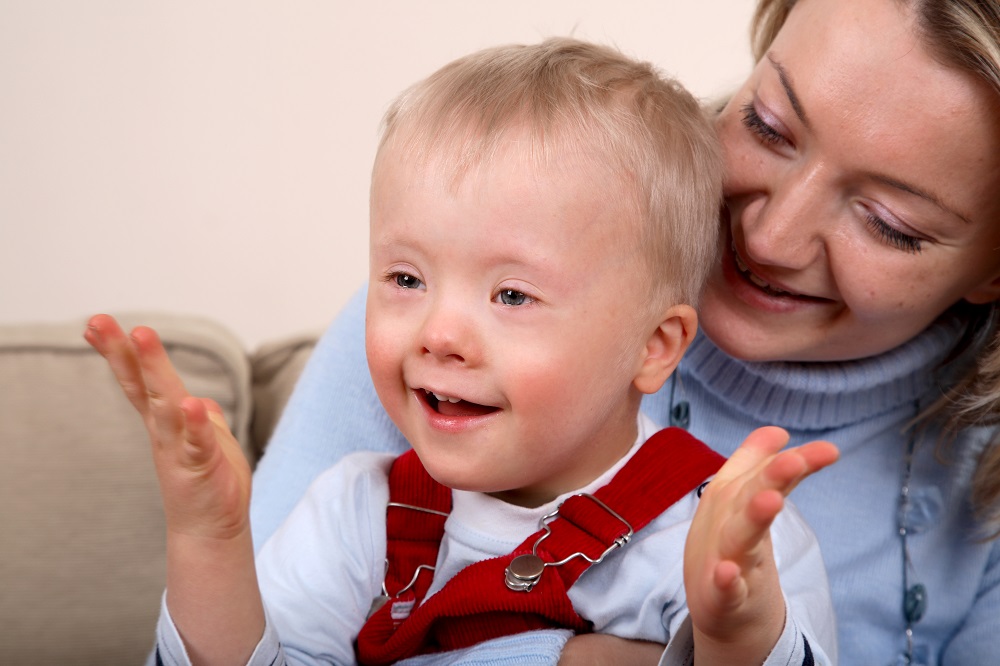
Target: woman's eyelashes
pixel 884 231
pixel 891 235
pixel 764 131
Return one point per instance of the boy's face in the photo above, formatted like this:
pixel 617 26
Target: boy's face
pixel 506 320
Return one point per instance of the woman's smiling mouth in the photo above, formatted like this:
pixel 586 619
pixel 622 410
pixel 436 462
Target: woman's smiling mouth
pixel 743 269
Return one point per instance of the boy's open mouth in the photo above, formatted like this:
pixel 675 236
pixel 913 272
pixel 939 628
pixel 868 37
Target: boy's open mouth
pixel 449 406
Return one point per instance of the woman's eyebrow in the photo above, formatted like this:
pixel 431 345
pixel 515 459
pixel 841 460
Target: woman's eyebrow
pixel 786 83
pixel 923 194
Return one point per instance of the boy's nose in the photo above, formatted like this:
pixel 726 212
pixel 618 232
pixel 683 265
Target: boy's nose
pixel 448 335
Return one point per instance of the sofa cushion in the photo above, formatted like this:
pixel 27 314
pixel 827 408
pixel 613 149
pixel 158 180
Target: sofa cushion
pixel 82 551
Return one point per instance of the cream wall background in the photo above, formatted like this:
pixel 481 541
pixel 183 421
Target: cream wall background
pixel 212 157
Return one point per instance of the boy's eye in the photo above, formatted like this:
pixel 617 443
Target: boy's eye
pixel 753 122
pixel 407 281
pixel 512 297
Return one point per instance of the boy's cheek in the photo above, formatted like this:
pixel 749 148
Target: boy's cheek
pixel 382 354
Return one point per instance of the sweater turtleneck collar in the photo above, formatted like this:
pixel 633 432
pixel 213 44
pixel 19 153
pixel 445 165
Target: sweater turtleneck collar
pixel 815 396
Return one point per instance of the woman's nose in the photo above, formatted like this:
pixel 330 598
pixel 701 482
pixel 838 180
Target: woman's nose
pixel 786 227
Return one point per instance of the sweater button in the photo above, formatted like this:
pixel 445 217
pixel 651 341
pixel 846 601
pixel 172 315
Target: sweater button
pixel 680 415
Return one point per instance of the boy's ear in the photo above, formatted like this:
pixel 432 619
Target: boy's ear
pixel 987 292
pixel 665 347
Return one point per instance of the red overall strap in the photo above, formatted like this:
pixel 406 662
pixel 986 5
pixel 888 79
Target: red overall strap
pixel 476 605
pixel 418 507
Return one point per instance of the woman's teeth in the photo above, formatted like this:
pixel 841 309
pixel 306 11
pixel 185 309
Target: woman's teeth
pixel 443 398
pixel 745 271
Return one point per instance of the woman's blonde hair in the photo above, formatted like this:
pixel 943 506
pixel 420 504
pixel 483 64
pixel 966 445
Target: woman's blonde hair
pixel 583 101
pixel 964 34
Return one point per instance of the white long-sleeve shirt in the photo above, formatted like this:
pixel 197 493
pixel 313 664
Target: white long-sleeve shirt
pixel 320 571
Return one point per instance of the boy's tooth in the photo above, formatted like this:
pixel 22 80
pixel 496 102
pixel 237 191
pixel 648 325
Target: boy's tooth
pixel 445 398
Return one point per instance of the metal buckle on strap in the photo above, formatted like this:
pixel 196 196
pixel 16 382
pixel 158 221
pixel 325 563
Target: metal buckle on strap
pixel 380 600
pixel 524 571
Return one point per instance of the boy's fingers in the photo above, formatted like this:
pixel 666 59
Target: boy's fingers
pixel 215 414
pixel 161 379
pixel 105 335
pixel 759 445
pixel 746 530
pixel 212 406
pixel 164 388
pixel 765 486
pixel 216 417
pixel 767 467
pixel 199 431
pixel 766 441
pixel 819 454
pixel 789 468
pixel 728 586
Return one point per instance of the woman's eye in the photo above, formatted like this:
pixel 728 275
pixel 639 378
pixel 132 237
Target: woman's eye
pixel 406 281
pixel 891 235
pixel 753 122
pixel 512 297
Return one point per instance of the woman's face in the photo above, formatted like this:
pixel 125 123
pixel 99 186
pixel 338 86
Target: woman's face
pixel 863 190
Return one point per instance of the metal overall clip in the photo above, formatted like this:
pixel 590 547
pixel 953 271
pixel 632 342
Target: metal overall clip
pixel 381 600
pixel 524 571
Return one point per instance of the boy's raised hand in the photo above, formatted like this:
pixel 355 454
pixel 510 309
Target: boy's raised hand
pixel 733 592
pixel 204 476
pixel 212 591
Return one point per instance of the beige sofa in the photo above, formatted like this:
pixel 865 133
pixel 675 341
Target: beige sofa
pixel 81 526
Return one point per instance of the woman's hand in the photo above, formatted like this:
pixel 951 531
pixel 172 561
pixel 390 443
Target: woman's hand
pixel 597 649
pixel 734 596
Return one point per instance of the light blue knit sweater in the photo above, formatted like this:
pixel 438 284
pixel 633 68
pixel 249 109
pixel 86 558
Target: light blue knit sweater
pixel 854 506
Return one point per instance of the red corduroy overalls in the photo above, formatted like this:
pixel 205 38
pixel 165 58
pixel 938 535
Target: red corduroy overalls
pixel 507 595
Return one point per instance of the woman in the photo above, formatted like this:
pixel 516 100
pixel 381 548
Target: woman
pixel 855 297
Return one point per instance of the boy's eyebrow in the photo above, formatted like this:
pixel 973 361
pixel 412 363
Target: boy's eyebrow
pixel 786 83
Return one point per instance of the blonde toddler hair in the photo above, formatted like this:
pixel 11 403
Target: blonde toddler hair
pixel 589 101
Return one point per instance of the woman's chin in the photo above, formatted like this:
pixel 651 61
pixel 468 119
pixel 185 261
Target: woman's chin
pixel 740 341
